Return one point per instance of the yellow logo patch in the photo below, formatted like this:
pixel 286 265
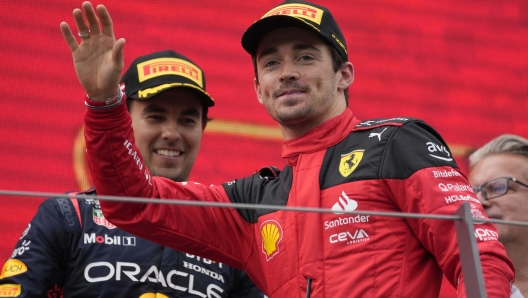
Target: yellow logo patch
pixel 304 11
pixel 169 66
pixel 13 267
pixel 271 232
pixel 350 161
pixel 10 290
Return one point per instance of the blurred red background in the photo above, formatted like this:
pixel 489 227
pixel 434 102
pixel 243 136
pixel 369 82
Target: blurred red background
pixel 460 65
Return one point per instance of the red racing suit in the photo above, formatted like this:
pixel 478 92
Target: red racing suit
pixel 398 165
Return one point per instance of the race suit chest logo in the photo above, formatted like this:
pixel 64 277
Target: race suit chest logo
pixel 455 187
pixel 350 237
pixel 344 204
pixel 10 290
pixel 13 267
pixel 127 271
pixel 350 161
pixel 271 232
pixel 348 205
pixel 109 240
pixel 446 174
pixel 438 151
pixel 100 220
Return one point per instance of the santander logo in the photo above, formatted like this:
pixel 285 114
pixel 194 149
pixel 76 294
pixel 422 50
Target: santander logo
pixel 344 204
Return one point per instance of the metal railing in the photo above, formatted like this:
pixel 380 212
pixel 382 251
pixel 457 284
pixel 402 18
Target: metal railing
pixel 464 225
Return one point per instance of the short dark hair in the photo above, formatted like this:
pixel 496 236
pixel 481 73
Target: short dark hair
pixel 205 110
pixel 337 62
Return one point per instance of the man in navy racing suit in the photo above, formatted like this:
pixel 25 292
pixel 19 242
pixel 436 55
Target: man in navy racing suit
pixel 70 250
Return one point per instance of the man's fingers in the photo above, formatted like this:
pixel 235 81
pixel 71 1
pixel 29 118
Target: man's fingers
pixel 106 20
pixel 69 37
pixel 91 17
pixel 79 21
pixel 117 54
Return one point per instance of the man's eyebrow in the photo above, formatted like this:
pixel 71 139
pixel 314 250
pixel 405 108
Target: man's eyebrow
pixel 268 51
pixel 304 46
pixel 154 108
pixel 297 46
pixel 191 112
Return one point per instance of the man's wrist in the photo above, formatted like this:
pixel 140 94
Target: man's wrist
pixel 113 101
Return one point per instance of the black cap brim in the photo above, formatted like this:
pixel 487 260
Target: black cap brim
pixel 204 97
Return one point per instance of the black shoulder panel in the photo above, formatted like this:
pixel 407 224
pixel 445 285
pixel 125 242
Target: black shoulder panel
pixel 373 123
pixel 269 186
pixel 415 146
pixel 384 148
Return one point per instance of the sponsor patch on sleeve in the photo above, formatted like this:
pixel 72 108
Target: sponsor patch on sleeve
pixel 13 267
pixel 10 290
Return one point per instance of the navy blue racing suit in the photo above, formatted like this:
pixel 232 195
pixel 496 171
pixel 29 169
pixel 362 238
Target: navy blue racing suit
pixel 70 250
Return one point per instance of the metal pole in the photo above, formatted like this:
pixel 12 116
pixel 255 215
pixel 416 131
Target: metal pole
pixel 469 255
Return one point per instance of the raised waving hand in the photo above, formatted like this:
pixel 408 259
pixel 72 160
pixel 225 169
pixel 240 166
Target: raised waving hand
pixel 98 58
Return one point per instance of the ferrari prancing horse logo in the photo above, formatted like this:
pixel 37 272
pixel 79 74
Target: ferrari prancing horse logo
pixel 350 161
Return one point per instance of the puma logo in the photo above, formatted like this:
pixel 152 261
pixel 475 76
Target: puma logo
pixel 375 134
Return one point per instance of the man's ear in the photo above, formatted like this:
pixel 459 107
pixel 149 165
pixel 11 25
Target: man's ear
pixel 347 75
pixel 257 90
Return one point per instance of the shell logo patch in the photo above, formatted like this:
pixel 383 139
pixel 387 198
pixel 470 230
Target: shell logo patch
pixel 13 267
pixel 350 161
pixel 271 232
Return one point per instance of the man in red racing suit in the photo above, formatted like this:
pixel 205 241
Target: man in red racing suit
pixel 334 161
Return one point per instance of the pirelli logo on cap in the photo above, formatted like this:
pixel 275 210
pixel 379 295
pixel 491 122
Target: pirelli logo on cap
pixel 10 290
pixel 304 11
pixel 169 66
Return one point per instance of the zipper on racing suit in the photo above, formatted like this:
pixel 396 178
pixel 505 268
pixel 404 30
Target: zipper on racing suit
pixel 308 287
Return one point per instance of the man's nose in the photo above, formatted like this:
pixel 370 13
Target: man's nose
pixel 289 72
pixel 171 131
pixel 485 203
